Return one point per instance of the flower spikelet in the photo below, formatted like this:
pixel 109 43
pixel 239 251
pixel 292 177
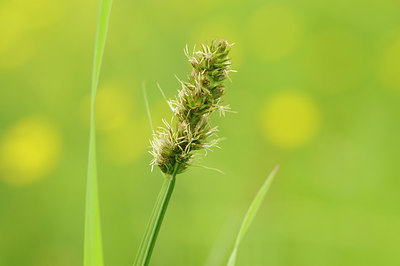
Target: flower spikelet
pixel 190 129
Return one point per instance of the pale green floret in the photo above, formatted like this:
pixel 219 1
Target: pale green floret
pixel 198 98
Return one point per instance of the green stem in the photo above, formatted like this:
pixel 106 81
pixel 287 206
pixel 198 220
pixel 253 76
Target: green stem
pixel 153 227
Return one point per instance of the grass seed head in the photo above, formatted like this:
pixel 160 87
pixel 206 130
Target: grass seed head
pixel 200 96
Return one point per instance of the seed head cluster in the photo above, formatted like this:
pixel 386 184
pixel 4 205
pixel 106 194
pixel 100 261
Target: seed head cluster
pixel 190 130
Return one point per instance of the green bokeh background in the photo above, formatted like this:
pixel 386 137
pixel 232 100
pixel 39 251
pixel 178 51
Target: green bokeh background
pixel 335 200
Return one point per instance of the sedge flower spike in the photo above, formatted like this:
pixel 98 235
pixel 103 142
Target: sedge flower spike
pixel 190 129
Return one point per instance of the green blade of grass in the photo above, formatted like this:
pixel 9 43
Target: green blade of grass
pixel 93 253
pixel 251 213
pixel 153 227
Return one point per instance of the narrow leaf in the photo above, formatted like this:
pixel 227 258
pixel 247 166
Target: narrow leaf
pixel 251 213
pixel 93 254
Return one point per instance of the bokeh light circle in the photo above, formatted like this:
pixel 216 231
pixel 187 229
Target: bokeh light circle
pixel 29 151
pixel 114 106
pixel 121 138
pixel 20 23
pixel 390 64
pixel 290 119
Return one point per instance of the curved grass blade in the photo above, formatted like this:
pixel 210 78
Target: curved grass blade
pixel 153 227
pixel 93 253
pixel 251 213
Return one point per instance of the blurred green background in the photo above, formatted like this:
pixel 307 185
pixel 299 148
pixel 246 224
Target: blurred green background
pixel 317 91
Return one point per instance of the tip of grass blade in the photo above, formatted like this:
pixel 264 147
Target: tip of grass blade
pixel 251 213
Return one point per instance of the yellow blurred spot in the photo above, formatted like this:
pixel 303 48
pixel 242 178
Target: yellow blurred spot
pixel 114 107
pixel 15 44
pixel 121 133
pixel 20 20
pixel 334 60
pixel 125 144
pixel 219 28
pixel 275 32
pixel 290 120
pixel 390 64
pixel 29 151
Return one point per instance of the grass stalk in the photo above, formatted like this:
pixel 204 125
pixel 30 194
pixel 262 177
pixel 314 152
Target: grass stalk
pixel 93 252
pixel 153 227
pixel 173 146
